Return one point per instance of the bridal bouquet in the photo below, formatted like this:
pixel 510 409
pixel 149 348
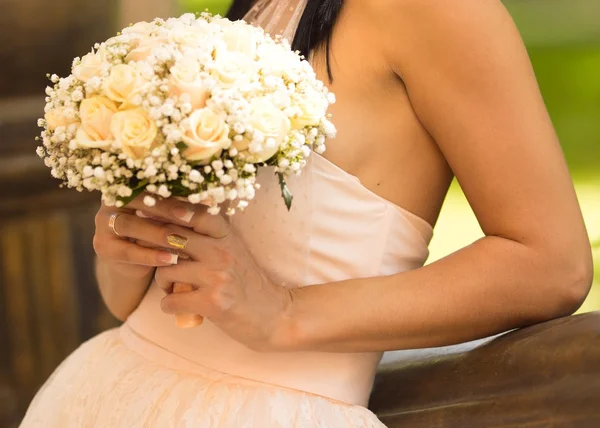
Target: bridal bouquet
pixel 187 107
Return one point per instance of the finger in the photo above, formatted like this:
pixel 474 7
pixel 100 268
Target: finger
pixel 123 251
pixel 189 272
pixel 193 302
pixel 214 226
pixel 185 214
pixel 170 209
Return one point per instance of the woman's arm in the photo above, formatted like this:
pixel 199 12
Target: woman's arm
pixel 471 84
pixel 121 287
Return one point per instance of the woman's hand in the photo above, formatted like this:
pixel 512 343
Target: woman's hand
pixel 229 288
pixel 124 269
pixel 115 246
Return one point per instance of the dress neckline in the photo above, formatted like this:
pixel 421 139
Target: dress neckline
pixel 424 224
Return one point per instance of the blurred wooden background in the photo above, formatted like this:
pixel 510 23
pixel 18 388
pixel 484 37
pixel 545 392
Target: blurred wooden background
pixel 49 303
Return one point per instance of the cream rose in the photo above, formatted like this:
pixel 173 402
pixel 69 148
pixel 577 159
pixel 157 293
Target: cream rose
pixel 57 117
pixel 96 114
pixel 90 65
pixel 185 79
pixel 311 111
pixel 87 141
pixel 272 122
pixel 233 67
pixel 144 49
pixel 207 135
pixel 134 131
pixel 240 38
pixel 123 82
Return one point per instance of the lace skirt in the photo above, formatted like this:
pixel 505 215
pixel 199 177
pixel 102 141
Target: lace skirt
pixel 119 380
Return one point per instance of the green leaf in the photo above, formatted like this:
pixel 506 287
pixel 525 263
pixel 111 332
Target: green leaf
pixel 137 191
pixel 285 191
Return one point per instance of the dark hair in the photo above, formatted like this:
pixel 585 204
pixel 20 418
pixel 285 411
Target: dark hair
pixel 315 27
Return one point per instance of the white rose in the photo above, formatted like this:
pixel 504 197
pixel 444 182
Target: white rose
pixel 277 60
pixel 123 82
pixel 272 123
pixel 96 114
pixel 144 49
pixel 185 79
pixel 188 36
pixel 207 135
pixel 57 117
pixel 240 38
pixel 134 131
pixel 310 111
pixel 90 66
pixel 233 67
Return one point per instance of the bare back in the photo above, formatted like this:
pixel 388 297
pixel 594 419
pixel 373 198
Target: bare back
pixel 380 138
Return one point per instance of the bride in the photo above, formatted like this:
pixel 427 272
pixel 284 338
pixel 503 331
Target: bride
pixel 299 306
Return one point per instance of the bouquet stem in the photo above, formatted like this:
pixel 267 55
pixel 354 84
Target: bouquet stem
pixel 186 320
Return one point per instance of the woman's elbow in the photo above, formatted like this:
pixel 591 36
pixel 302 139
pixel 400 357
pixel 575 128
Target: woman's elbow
pixel 573 282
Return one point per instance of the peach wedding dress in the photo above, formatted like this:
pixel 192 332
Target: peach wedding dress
pixel 150 373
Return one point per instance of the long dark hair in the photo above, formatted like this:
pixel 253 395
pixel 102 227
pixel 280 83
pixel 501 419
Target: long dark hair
pixel 314 30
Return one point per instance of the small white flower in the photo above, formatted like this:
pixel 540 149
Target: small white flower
pixel 214 210
pixel 194 198
pixel 88 171
pixel 195 176
pixel 217 165
pixel 149 201
pixel 207 169
pixel 150 171
pixel 77 95
pixel 164 191
pixel 232 194
pixel 225 179
pixel 249 168
pixel 151 188
pixel 239 128
pixel 124 191
pixel 98 172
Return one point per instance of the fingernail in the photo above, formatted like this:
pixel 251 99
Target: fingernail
pixel 183 213
pixel 177 241
pixel 169 258
pixel 141 214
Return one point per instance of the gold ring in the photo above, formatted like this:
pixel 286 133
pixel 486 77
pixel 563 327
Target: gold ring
pixel 177 241
pixel 111 222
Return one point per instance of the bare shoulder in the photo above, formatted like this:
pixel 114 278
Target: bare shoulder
pixel 410 28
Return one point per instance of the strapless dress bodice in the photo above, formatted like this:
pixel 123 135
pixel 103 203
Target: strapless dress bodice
pixel 336 230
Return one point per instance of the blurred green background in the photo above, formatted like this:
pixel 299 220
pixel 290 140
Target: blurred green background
pixel 563 40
